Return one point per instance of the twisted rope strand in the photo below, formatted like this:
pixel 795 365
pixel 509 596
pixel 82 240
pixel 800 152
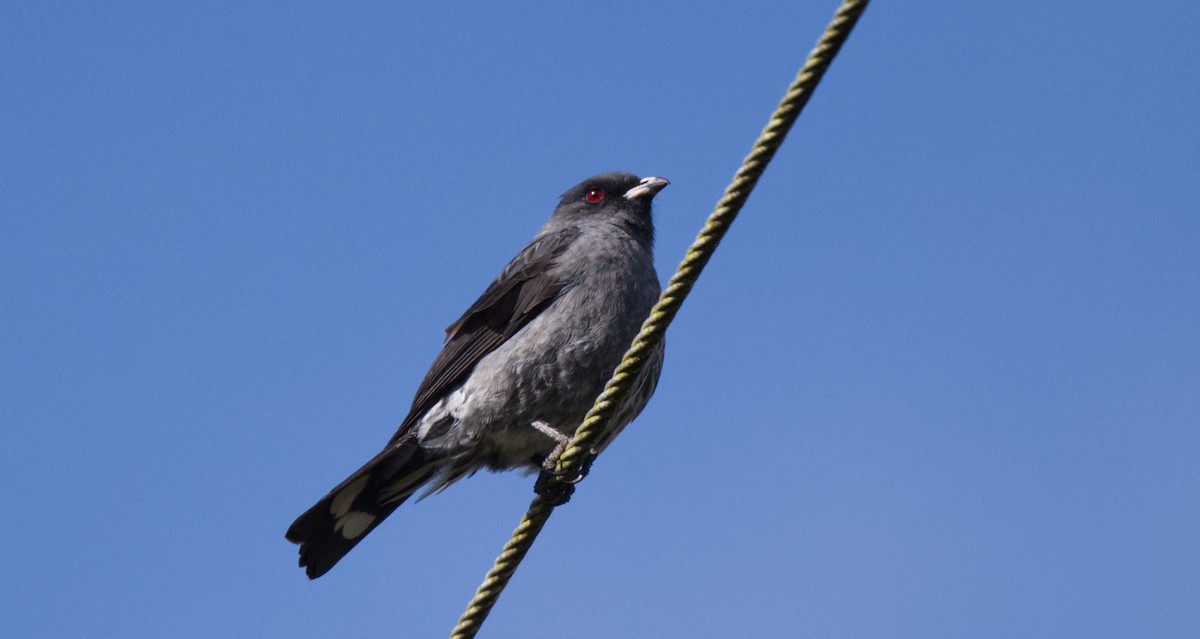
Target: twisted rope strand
pixel 579 450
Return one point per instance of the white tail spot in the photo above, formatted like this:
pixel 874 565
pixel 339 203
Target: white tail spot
pixel 341 504
pixel 354 524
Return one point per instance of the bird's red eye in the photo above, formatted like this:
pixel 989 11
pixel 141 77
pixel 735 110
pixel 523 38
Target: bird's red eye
pixel 595 195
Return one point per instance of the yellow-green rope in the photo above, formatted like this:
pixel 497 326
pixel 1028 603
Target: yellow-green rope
pixel 578 451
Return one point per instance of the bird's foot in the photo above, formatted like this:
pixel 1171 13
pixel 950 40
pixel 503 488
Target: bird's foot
pixel 551 485
pixel 550 464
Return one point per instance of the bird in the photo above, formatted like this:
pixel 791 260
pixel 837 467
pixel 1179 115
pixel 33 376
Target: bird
pixel 520 369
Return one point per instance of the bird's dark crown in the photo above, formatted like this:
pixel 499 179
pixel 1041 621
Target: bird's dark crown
pixel 614 185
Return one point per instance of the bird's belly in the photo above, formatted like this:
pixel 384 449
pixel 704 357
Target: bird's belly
pixel 549 372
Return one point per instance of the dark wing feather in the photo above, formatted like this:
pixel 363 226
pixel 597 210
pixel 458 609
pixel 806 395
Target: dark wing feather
pixel 522 290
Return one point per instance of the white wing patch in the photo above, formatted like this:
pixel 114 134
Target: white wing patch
pixel 442 416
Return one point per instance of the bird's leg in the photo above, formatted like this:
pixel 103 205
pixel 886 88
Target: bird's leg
pixel 550 485
pixel 560 445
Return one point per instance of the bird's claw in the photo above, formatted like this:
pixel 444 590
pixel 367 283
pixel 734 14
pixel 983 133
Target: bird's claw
pixel 584 468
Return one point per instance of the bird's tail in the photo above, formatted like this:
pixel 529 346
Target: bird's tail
pixel 334 525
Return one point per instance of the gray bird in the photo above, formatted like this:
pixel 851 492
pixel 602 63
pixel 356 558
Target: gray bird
pixel 520 369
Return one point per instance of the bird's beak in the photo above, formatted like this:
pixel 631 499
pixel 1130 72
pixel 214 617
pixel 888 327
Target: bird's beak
pixel 646 188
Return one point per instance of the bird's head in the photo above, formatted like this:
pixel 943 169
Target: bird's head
pixel 622 199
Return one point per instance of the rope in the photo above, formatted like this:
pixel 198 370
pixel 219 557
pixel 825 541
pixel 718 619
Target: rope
pixel 578 453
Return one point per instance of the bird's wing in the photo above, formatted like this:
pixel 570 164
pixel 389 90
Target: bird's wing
pixel 522 290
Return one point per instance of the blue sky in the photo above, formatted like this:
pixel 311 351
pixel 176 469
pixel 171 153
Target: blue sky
pixel 939 381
